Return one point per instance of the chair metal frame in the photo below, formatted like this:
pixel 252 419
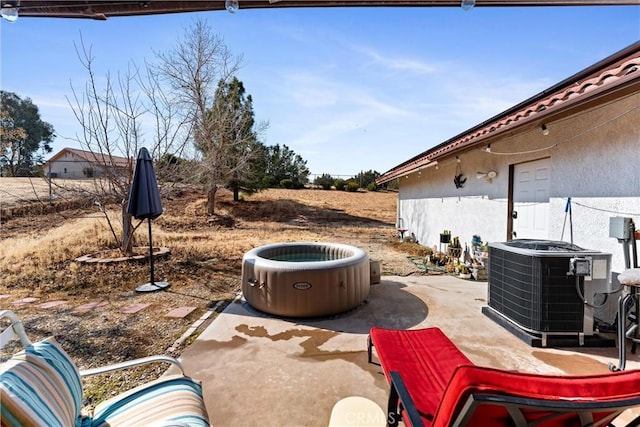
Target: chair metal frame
pixel 14 330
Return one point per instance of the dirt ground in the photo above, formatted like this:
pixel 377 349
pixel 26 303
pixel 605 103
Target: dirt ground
pixel 204 267
pixel 15 191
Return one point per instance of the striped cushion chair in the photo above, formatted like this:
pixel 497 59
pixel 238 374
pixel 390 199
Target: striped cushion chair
pixel 174 400
pixel 41 386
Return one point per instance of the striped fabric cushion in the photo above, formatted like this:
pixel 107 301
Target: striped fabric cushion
pixel 172 400
pixel 40 386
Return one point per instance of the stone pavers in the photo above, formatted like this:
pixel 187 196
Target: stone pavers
pixel 99 258
pixel 134 308
pixel 25 301
pixel 179 312
pixel 90 306
pixel 51 304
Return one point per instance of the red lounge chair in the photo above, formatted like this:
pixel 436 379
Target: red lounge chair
pixel 434 384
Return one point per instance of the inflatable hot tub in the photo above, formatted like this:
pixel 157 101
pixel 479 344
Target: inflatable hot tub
pixel 305 279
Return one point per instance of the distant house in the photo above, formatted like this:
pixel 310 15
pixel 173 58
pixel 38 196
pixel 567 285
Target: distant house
pixel 515 172
pixel 71 163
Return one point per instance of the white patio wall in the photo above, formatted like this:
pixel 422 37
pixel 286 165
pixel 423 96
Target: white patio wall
pixel 595 160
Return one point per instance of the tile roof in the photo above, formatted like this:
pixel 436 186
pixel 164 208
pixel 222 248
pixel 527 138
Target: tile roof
pixel 618 72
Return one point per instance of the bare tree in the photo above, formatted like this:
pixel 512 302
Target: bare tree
pixel 195 68
pixel 111 119
pixel 173 102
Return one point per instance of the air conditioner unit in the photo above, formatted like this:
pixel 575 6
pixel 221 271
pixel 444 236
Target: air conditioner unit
pixel 534 287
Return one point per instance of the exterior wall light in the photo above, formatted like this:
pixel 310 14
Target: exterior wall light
pixel 9 11
pixel 468 4
pixel 545 130
pixel 232 6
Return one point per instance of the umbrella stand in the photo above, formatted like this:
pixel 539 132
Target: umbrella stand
pixel 152 285
pixel 144 202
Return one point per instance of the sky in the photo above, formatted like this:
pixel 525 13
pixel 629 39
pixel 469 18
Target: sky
pixel 348 89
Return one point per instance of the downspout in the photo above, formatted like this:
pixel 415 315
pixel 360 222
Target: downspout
pixel 399 223
pixel 510 203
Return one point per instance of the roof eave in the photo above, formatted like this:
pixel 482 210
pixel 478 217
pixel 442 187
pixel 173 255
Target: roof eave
pixel 605 96
pixel 532 116
pixel 102 10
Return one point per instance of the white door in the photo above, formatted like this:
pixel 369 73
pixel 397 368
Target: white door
pixel 531 199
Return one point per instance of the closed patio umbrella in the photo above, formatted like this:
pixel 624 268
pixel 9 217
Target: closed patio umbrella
pixel 144 203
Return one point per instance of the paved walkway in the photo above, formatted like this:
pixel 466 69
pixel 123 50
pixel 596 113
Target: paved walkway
pixel 259 370
pixel 178 312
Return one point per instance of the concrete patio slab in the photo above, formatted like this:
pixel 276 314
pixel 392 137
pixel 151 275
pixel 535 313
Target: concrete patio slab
pixel 257 369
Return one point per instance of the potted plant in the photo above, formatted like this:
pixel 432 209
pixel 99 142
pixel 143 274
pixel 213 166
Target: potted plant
pixel 455 250
pixel 465 273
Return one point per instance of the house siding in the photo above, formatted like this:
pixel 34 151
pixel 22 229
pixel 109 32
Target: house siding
pixel 594 158
pixel 68 166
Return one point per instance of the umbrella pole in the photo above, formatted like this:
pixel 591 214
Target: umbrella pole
pixel 152 286
pixel 152 282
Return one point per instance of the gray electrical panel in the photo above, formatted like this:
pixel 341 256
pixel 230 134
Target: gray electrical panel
pixel 619 227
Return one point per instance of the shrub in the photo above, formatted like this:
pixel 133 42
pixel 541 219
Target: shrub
pixel 287 183
pixel 372 187
pixel 352 186
pixel 325 181
pixel 268 181
pixel 366 178
pixel 339 184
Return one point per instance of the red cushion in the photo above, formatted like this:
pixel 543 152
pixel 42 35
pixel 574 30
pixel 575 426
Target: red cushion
pixel 467 380
pixel 426 360
pixel 440 379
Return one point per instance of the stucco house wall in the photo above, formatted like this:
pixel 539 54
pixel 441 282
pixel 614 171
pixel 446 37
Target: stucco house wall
pixel 601 173
pixel 594 157
pixel 68 166
pixel 71 163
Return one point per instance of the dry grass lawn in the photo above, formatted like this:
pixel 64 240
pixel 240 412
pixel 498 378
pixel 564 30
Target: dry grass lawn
pixel 16 191
pixel 20 190
pixel 38 252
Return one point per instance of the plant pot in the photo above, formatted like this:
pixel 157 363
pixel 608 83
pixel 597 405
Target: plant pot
pixel 455 252
pixel 479 273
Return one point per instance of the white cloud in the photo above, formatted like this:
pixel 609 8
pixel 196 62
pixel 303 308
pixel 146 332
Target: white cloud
pixel 396 63
pixel 330 114
pixel 55 110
